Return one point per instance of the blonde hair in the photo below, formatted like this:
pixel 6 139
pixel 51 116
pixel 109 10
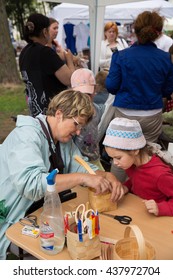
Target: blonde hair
pixel 72 103
pixel 109 25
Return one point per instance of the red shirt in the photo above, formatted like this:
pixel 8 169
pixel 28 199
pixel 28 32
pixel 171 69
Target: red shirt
pixel 153 180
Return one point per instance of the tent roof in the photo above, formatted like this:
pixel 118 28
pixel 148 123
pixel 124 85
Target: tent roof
pixel 118 11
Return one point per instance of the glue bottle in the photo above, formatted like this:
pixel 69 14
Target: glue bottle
pixel 52 235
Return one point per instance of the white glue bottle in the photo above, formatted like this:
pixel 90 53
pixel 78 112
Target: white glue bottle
pixel 52 235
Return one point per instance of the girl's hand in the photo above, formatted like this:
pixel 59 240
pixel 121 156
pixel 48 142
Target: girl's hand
pixel 117 189
pixel 152 207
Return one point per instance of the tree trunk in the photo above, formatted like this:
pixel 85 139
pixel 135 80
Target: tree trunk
pixel 8 67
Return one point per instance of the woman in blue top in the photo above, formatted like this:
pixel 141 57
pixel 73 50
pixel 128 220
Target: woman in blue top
pixel 140 76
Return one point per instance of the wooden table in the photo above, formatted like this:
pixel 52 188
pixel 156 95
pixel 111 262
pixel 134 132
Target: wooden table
pixel 156 230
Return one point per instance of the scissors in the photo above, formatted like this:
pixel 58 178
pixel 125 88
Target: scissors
pixel 122 219
pixel 30 220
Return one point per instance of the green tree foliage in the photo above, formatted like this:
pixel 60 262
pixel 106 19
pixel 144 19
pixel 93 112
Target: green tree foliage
pixel 52 4
pixel 18 11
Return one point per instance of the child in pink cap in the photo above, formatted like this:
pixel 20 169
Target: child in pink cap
pixel 149 175
pixel 83 80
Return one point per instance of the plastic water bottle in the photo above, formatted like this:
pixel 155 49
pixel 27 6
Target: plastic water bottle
pixel 52 235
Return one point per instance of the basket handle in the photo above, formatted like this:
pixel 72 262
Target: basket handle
pixel 84 164
pixel 140 239
pixel 87 167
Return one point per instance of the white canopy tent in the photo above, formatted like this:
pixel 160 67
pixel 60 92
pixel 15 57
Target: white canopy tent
pixel 168 26
pixel 99 10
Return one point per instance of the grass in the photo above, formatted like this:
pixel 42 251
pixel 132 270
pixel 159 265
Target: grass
pixel 12 103
pixel 12 100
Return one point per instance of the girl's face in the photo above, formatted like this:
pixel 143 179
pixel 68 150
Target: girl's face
pixel 111 34
pixel 53 30
pixel 122 159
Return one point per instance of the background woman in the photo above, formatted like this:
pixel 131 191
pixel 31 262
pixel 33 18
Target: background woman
pixel 110 44
pixel 53 43
pixel 140 76
pixel 43 71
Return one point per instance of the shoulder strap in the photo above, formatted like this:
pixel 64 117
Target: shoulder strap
pixel 53 157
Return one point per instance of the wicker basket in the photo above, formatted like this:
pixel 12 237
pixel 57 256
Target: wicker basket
pixel 86 250
pixel 101 202
pixel 135 247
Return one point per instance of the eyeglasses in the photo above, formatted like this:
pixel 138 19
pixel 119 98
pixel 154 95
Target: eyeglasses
pixel 77 124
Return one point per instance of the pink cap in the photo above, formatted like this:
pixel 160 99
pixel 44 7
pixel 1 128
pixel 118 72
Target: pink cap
pixel 83 80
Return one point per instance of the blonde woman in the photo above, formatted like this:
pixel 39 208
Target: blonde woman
pixel 110 44
pixel 38 145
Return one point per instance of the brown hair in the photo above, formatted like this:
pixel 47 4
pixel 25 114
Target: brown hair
pixel 171 49
pixel 52 20
pixel 171 52
pixel 109 25
pixel 148 26
pixel 72 103
pixel 100 79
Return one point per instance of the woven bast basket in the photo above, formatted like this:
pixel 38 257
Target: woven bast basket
pixel 86 250
pixel 101 202
pixel 133 247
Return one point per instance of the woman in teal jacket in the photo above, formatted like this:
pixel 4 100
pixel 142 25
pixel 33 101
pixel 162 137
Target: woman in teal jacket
pixel 25 158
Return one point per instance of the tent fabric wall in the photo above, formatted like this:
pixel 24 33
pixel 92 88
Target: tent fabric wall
pixel 66 12
pixel 98 11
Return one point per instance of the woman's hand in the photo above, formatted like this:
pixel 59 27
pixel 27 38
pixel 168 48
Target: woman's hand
pixel 69 60
pixel 117 189
pixel 68 55
pixel 97 182
pixel 152 207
